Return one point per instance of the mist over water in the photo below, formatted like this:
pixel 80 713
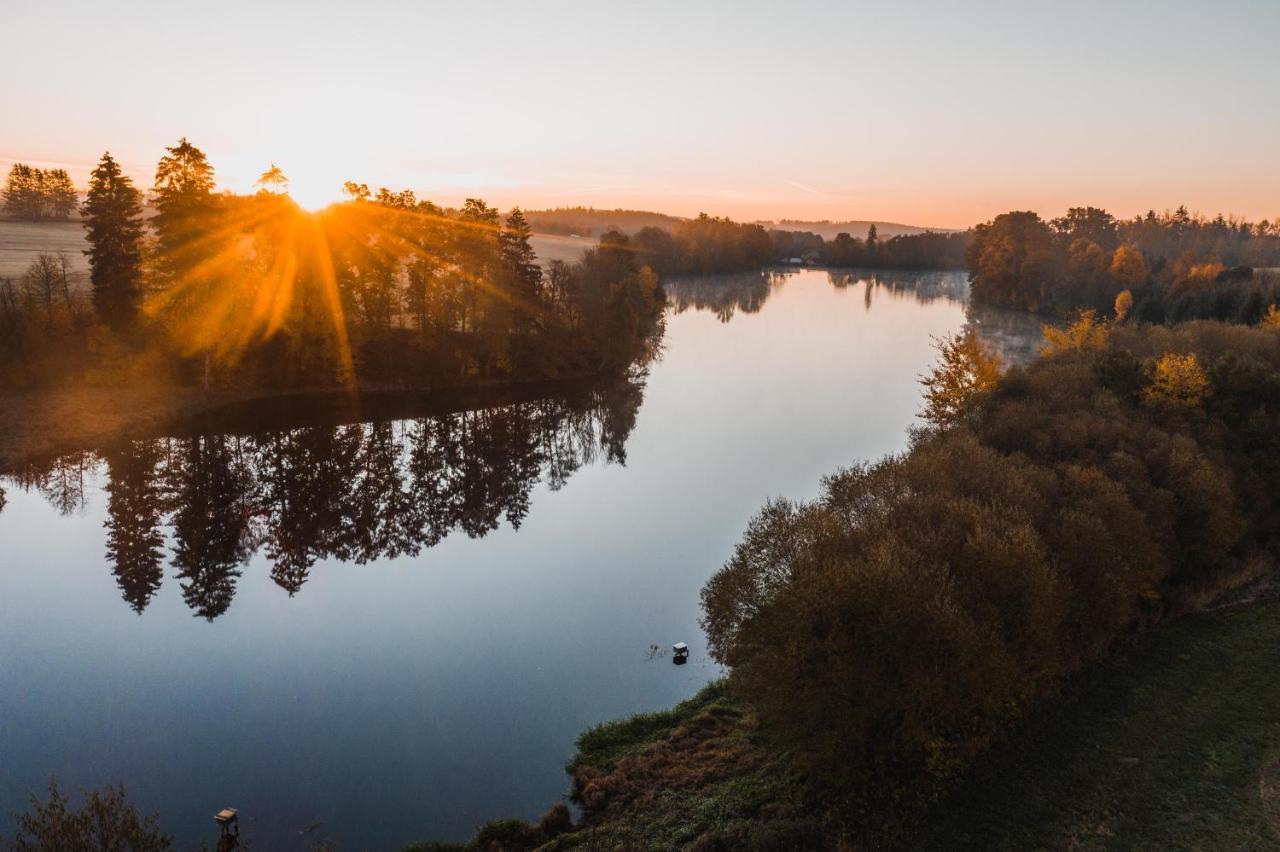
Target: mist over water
pixel 384 632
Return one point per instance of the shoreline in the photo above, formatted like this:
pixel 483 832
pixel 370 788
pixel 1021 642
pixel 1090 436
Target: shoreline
pixel 37 426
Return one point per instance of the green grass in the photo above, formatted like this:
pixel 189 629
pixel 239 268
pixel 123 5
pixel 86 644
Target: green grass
pixel 1160 748
pixel 603 745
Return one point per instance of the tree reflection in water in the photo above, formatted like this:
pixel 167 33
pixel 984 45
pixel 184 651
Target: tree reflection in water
pixel 1015 335
pixel 354 493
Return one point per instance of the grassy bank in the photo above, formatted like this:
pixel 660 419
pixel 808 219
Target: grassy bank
pixel 1162 747
pixel 696 776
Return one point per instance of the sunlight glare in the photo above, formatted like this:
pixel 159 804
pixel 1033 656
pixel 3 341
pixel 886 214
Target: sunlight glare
pixel 312 193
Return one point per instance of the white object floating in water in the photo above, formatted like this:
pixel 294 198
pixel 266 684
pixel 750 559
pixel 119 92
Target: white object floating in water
pixel 680 649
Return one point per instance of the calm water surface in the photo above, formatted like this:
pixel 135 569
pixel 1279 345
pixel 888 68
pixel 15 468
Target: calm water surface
pixel 378 633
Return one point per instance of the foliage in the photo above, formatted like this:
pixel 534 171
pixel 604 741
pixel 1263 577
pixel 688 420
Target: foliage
pixel 928 250
pixel 1013 261
pixel 36 194
pixel 1177 380
pixel 1160 748
pixel 1084 335
pixel 1123 305
pixel 1128 268
pixel 705 245
pixel 112 215
pixel 1175 266
pixel 966 373
pixel 382 290
pixel 105 822
pixel 887 632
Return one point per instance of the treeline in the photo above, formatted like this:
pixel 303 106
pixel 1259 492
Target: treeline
pixel 355 493
pixel 705 245
pixel 711 245
pixel 829 229
pixel 39 194
pixel 1166 267
pixel 385 288
pixel 928 250
pixel 888 631
pixel 590 222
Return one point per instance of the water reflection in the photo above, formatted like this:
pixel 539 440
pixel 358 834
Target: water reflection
pixel 723 295
pixel 1016 335
pixel 410 698
pixel 354 493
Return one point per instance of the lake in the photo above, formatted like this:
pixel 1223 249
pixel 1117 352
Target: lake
pixel 383 632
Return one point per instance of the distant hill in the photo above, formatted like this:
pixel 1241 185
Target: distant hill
pixel 854 228
pixel 590 222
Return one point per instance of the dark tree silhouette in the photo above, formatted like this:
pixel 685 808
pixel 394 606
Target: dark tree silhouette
pixel 113 224
pixel 208 524
pixel 134 514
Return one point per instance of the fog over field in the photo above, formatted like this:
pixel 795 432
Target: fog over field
pixel 21 242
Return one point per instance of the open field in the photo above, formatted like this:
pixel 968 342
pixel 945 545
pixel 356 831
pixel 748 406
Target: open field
pixel 20 242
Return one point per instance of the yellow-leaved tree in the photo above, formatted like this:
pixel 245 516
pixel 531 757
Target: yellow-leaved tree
pixel 1124 304
pixel 1128 269
pixel 1177 381
pixel 1087 333
pixel 967 371
pixel 1272 319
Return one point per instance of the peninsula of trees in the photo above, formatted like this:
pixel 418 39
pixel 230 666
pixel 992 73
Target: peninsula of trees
pixel 384 289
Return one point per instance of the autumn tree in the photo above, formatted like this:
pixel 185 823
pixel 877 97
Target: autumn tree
pixel 966 373
pixel 1087 333
pixel 1128 268
pixel 1123 305
pixel 112 215
pixel 1012 261
pixel 106 820
pixel 1088 223
pixel 1177 381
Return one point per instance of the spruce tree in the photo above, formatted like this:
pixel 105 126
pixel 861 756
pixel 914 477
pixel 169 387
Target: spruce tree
pixel 112 219
pixel 183 195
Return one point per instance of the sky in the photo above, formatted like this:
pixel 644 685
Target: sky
pixel 928 113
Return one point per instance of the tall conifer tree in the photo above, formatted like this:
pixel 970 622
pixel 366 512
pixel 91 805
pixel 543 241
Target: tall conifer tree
pixel 113 224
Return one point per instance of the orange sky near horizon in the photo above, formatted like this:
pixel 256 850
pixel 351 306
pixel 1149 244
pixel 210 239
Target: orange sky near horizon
pixel 925 113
